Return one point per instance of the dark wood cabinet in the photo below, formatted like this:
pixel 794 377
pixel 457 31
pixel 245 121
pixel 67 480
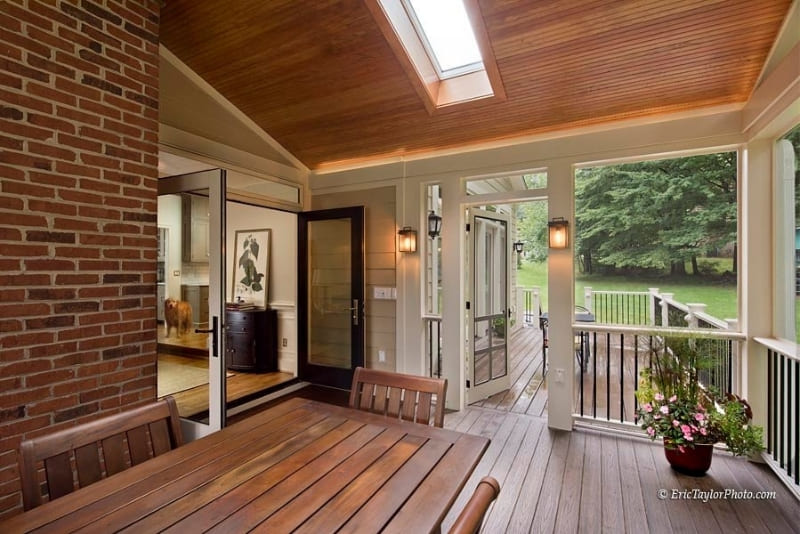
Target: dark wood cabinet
pixel 251 340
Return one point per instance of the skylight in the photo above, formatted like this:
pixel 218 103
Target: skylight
pixel 445 30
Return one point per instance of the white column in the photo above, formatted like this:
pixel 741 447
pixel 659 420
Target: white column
pixel 651 302
pixel 560 376
pixel 453 307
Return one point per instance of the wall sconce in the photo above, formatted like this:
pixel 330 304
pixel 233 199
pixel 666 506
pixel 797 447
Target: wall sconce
pixel 558 233
pixel 434 225
pixel 518 246
pixel 408 239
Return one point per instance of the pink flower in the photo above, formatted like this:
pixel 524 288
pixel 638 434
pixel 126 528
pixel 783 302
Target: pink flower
pixel 657 417
pixel 688 438
pixel 685 429
pixel 704 431
pixel 664 409
pixel 651 431
pixel 659 397
pixel 648 407
pixel 673 398
pixel 699 416
pixel 675 422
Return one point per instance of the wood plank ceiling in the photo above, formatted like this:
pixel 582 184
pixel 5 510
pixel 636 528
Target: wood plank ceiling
pixel 321 79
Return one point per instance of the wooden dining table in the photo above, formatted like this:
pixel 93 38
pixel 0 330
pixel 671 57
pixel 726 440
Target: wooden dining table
pixel 300 466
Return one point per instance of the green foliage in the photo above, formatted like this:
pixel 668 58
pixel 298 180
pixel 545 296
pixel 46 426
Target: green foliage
pixel 675 406
pixel 654 214
pixel 532 229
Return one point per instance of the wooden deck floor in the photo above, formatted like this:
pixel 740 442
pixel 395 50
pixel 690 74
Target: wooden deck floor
pixel 586 481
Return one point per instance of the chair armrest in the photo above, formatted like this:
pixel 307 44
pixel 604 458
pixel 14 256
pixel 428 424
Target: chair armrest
pixel 471 516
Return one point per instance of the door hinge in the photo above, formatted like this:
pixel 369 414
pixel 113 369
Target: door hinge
pixel 467 304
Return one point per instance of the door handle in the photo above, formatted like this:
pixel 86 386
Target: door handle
pixel 213 331
pixel 356 312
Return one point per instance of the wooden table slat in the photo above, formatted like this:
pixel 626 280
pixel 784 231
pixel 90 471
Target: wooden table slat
pixel 160 490
pixel 204 490
pixel 56 514
pixel 217 502
pixel 251 503
pixel 300 465
pixel 375 514
pixel 350 499
pixel 445 482
pixel 291 516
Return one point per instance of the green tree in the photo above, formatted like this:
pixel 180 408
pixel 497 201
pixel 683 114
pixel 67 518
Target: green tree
pixel 532 229
pixel 655 214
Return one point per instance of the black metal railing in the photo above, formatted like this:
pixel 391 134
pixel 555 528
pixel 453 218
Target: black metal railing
pixel 783 413
pixel 433 345
pixel 609 360
pixel 621 307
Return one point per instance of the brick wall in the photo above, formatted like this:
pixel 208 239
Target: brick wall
pixel 78 163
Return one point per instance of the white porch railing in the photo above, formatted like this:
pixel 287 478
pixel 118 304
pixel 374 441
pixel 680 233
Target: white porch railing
pixel 783 411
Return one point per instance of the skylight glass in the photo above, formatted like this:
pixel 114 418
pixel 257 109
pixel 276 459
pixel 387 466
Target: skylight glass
pixel 445 29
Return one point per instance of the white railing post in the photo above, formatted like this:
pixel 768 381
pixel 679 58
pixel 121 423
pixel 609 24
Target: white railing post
pixel 694 309
pixel 736 364
pixel 651 304
pixel 519 309
pixel 536 305
pixel 587 299
pixel 665 298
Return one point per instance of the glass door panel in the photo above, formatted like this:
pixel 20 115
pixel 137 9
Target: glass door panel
pixel 488 324
pixel 191 215
pixel 331 244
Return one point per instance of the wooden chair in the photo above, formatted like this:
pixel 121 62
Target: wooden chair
pixel 97 449
pixel 471 517
pixel 406 397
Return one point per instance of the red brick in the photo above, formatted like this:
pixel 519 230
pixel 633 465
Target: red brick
pixel 97 59
pixel 112 44
pixel 52 349
pixel 97 369
pixel 24 70
pixel 50 66
pixel 15 82
pixel 121 128
pixel 51 40
pixel 75 386
pixel 49 265
pixel 80 197
pixel 102 186
pixel 23 129
pixel 10 23
pixel 99 213
pixel 134 42
pixel 77 252
pixel 16 39
pixel 24 160
pixel 28 16
pixel 49 377
pixel 78 116
pixel 101 265
pixel 131 64
pixel 99 318
pixel 59 208
pixel 25 101
pixel 10 143
pixel 10 234
pixel 100 109
pixel 146 170
pixel 98 292
pixel 121 253
pixel 100 393
pixel 119 376
pixel 51 94
pixel 47 11
pixel 76 358
pixel 27 280
pixel 25 250
pixel 100 135
pixel 98 343
pixel 51 123
pixel 9 264
pixel 122 202
pixel 51 151
pixel 100 239
pixel 122 153
pixel 22 368
pixel 74 224
pixel 80 142
pixel 80 279
pixel 100 161
pixel 77 170
pixel 51 404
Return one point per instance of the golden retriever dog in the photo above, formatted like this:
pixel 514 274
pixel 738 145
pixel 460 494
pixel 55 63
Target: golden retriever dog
pixel 178 314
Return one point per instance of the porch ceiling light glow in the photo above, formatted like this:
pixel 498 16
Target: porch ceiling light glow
pixel 434 225
pixel 407 239
pixel 558 233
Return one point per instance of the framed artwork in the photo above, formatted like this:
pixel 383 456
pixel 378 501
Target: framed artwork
pixel 251 267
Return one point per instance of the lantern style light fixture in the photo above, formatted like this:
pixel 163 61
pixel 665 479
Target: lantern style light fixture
pixel 434 225
pixel 558 233
pixel 408 239
pixel 518 246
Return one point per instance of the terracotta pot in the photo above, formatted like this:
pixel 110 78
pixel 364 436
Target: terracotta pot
pixel 693 461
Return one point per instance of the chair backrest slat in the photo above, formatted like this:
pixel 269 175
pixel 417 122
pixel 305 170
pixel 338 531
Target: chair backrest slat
pixel 410 398
pixel 87 463
pixel 122 439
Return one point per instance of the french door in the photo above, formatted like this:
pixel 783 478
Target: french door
pixel 487 317
pixel 331 295
pixel 193 207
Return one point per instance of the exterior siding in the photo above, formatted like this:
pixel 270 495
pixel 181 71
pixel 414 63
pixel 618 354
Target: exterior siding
pixel 78 164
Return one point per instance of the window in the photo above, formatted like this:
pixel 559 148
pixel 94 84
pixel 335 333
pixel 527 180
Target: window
pixel 787 250
pixel 444 29
pixel 442 46
pixel 669 225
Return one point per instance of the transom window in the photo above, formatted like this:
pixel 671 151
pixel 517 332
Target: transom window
pixel 444 28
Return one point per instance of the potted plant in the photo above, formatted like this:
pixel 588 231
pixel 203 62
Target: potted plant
pixel 675 406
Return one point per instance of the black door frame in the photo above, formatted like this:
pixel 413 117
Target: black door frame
pixel 317 374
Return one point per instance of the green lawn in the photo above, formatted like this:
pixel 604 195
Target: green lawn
pixel 720 299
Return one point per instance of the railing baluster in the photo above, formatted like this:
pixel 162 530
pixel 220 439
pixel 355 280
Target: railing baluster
pixel 608 378
pixel 621 377
pixel 781 414
pixel 797 422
